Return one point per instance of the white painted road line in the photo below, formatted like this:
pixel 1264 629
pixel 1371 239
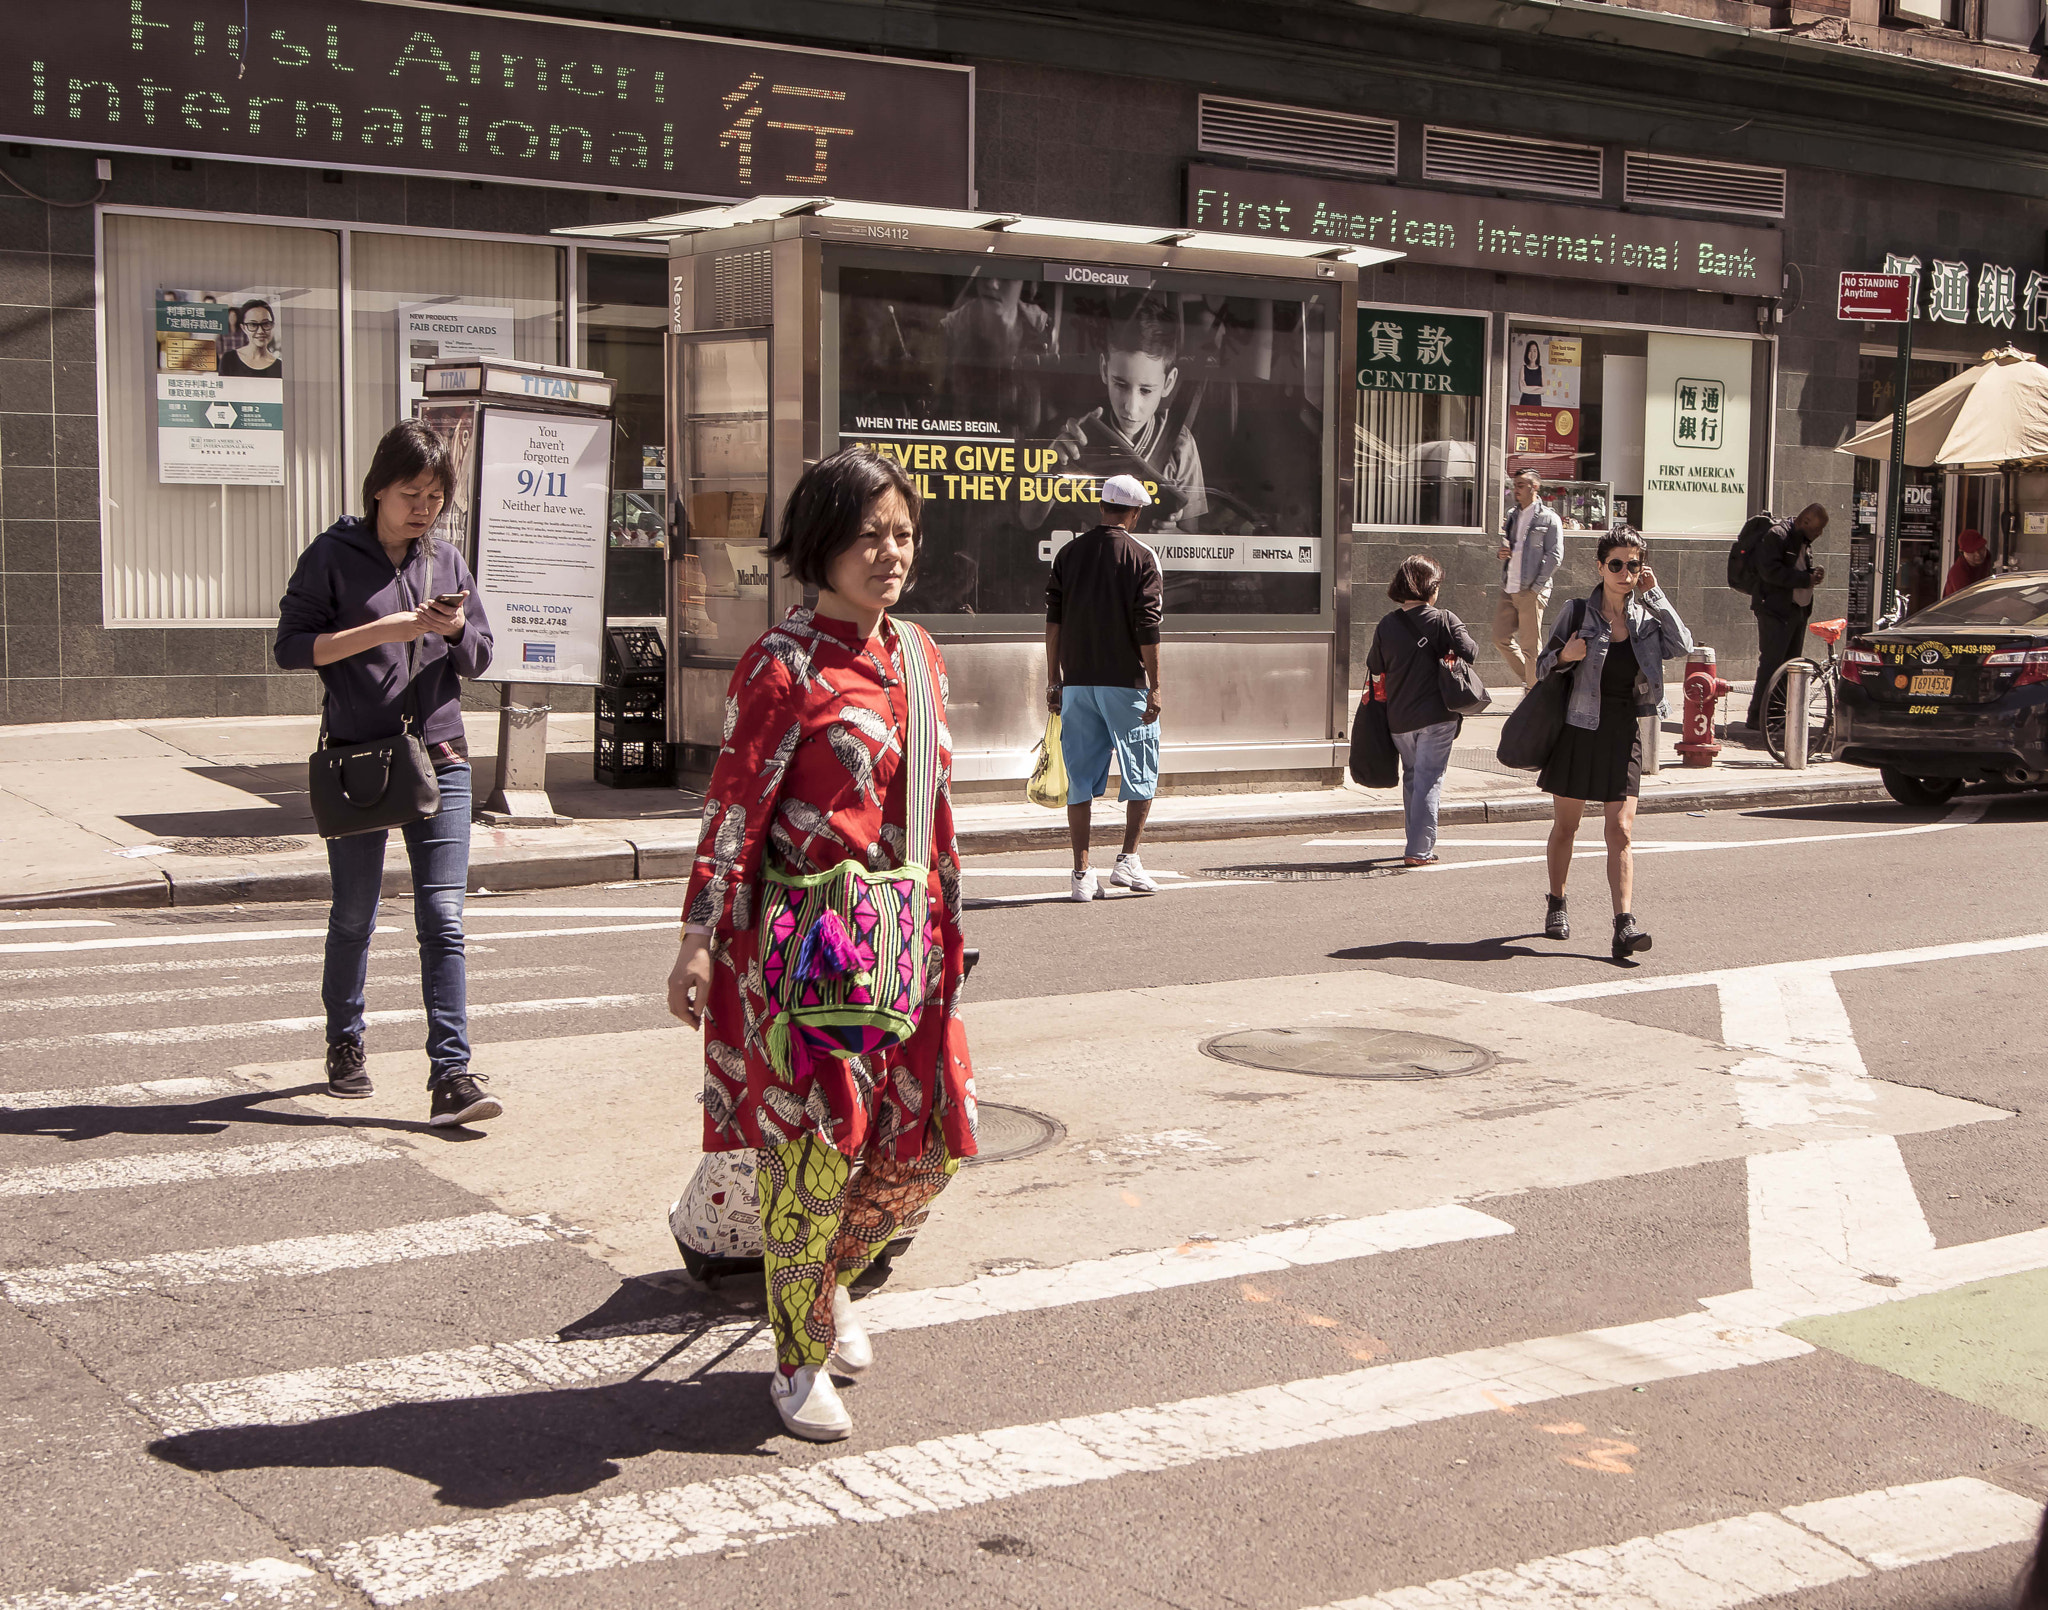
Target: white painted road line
pixel 250 936
pixel 179 1168
pixel 143 1094
pixel 201 1033
pixel 303 1255
pixel 952 1473
pixel 232 992
pixel 499 1368
pixel 1735 1562
pixel 1113 893
pixel 72 922
pixel 1829 964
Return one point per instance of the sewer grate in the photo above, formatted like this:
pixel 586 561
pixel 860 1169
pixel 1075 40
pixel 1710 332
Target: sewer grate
pixel 234 846
pixel 1350 1053
pixel 1002 1133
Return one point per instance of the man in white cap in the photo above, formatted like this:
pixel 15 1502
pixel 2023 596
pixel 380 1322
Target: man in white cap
pixel 1102 609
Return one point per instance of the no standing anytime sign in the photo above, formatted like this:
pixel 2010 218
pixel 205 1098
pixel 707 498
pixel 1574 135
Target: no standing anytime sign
pixel 1876 298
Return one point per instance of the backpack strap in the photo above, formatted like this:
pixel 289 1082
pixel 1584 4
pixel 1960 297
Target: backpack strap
pixel 921 744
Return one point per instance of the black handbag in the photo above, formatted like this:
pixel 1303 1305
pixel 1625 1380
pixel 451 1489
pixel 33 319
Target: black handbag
pixel 1533 727
pixel 1457 681
pixel 376 786
pixel 1375 762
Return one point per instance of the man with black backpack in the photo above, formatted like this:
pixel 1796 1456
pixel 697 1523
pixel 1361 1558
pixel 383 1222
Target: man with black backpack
pixel 1776 562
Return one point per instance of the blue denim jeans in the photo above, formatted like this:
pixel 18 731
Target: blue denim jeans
pixel 438 849
pixel 1425 753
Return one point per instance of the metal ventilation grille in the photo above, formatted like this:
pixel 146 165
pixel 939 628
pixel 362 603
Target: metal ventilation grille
pixel 1656 180
pixel 1297 135
pixel 1510 162
pixel 740 284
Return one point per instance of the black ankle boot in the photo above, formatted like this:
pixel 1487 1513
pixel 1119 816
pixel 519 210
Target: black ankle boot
pixel 1557 925
pixel 1628 938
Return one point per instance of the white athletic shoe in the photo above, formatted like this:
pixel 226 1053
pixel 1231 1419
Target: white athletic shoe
pixel 1130 872
pixel 852 1352
pixel 1084 885
pixel 809 1404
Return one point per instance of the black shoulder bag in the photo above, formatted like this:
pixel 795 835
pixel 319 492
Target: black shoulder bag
pixel 375 786
pixel 1534 726
pixel 1457 681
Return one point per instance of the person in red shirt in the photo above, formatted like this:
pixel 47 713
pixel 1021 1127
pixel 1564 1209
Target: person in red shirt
pixel 1973 563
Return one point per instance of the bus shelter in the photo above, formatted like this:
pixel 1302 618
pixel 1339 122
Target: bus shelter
pixel 1011 364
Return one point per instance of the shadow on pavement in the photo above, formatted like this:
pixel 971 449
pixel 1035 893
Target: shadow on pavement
pixel 486 1453
pixel 1506 948
pixel 207 1118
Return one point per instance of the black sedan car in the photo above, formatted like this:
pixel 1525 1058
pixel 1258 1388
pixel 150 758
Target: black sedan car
pixel 1955 694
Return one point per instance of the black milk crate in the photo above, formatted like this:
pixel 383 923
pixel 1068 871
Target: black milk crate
pixel 632 752
pixel 629 704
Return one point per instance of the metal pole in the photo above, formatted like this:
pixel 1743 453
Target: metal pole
pixel 1889 570
pixel 1798 690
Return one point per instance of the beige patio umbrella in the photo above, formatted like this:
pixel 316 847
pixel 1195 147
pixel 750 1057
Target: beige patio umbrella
pixel 1992 417
pixel 1986 418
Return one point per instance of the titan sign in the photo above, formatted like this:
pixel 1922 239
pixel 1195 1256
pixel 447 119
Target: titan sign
pixel 1510 237
pixel 429 89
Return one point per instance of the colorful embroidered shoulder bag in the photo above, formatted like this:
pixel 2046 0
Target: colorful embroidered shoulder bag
pixel 843 952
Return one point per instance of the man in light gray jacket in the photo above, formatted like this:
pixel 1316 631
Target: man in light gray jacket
pixel 1531 547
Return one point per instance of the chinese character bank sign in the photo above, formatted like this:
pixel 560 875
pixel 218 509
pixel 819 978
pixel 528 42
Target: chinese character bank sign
pixel 1424 353
pixel 438 89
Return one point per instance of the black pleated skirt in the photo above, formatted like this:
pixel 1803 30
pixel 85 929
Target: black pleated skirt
pixel 1600 766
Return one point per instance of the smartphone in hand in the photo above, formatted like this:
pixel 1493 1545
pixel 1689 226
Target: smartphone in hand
pixel 450 600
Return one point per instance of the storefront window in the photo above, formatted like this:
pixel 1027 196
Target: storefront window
pixel 222 445
pixel 621 312
pixel 1647 428
pixel 1421 383
pixel 420 298
pixel 1011 400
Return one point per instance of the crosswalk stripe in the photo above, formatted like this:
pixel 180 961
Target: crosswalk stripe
pixel 956 1472
pixel 302 1255
pixel 179 1168
pixel 255 1028
pixel 27 947
pixel 234 992
pixel 499 1368
pixel 130 1095
pixel 74 922
pixel 1746 1558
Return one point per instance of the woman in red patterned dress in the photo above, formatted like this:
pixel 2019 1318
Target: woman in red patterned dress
pixel 812 772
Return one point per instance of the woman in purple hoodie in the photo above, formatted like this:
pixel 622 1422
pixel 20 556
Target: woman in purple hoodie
pixel 371 597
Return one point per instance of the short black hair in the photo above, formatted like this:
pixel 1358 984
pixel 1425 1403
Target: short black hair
pixel 1621 536
pixel 830 505
pixel 242 312
pixel 1148 328
pixel 1416 580
pixel 411 448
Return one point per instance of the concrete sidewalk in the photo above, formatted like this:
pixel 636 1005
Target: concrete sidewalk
pixel 213 812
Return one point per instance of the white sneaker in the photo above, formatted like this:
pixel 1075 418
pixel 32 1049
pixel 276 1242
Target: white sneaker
pixel 1130 872
pixel 1084 885
pixel 852 1353
pixel 809 1405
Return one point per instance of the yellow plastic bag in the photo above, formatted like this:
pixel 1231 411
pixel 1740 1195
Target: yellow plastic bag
pixel 1048 785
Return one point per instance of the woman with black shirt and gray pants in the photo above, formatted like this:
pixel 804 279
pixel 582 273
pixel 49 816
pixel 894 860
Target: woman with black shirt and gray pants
pixel 1407 647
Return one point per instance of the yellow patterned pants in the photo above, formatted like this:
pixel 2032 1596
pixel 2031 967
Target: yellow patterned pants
pixel 817 1228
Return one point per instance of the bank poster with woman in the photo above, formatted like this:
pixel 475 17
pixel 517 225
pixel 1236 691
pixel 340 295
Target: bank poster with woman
pixel 220 387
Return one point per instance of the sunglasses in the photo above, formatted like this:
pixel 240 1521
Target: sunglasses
pixel 1619 565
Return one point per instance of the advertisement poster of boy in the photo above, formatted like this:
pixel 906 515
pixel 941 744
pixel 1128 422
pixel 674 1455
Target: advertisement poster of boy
pixel 1140 369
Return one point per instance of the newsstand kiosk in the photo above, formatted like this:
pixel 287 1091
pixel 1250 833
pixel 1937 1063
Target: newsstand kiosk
pixel 1010 364
pixel 531 512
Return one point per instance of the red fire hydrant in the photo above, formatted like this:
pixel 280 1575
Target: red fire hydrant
pixel 1702 688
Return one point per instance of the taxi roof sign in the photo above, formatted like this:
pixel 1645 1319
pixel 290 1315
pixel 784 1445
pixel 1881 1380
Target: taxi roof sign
pixel 1876 298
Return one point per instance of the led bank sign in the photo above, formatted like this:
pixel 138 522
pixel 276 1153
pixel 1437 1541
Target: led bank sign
pixel 431 89
pixel 1507 236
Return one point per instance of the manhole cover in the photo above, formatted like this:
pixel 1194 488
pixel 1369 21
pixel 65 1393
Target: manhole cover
pixel 1346 1053
pixel 1005 1132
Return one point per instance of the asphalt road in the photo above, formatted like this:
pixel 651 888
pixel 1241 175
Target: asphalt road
pixel 1722 1276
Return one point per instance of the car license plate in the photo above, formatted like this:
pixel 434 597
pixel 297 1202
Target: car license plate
pixel 1930 687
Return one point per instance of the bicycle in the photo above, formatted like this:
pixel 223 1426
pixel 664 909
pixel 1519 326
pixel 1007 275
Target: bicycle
pixel 1822 701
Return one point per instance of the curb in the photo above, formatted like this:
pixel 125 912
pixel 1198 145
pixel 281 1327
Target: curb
pixel 627 861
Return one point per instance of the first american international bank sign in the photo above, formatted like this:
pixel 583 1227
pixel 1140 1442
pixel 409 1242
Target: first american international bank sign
pixel 391 85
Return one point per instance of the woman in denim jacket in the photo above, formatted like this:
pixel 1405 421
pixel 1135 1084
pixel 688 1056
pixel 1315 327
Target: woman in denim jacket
pixel 1615 643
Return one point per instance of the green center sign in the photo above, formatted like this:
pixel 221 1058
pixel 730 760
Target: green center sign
pixel 1439 354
